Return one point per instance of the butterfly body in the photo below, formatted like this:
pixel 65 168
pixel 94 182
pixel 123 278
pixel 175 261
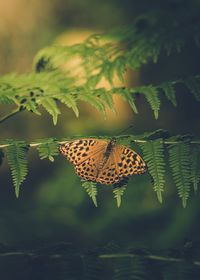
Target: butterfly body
pixel 102 161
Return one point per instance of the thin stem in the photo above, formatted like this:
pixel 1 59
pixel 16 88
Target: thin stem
pixel 35 144
pixel 13 113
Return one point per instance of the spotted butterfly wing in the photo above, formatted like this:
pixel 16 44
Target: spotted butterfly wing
pixel 102 161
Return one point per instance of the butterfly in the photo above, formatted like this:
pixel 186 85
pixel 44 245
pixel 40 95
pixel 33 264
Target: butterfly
pixel 102 161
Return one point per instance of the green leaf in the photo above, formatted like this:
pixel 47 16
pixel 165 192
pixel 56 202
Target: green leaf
pixel 94 101
pixel 91 190
pixel 153 153
pixel 93 81
pixel 151 94
pixel 118 192
pixel 50 105
pixel 70 101
pixel 16 152
pixel 193 85
pixel 169 91
pixel 179 161
pixel 128 95
pixel 48 149
pixel 195 167
pixel 32 107
pixel 107 98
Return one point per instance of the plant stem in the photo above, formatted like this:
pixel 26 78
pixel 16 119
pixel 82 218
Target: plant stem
pixel 13 113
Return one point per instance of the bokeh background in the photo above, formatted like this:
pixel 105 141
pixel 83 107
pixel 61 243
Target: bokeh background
pixel 52 206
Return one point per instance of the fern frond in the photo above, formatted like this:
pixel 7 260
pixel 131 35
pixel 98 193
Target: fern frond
pixel 94 101
pixel 179 161
pixel 152 96
pixel 91 190
pixel 193 84
pixel 50 106
pixel 48 148
pixel 69 101
pixel 128 95
pixel 195 167
pixel 16 153
pixel 118 193
pixel 169 91
pixel 154 156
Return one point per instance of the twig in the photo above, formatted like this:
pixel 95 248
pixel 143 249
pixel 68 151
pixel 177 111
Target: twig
pixel 167 142
pixel 13 113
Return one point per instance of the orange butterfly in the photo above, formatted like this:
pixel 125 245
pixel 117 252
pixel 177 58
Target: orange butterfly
pixel 102 161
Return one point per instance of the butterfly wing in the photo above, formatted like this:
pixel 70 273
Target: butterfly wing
pixel 122 162
pixel 86 156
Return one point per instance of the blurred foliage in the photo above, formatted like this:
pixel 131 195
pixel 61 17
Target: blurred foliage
pixel 52 207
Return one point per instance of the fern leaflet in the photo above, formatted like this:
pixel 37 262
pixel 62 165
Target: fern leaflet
pixel 169 91
pixel 193 85
pixel 70 101
pixel 50 105
pixel 91 190
pixel 118 192
pixel 195 167
pixel 48 149
pixel 153 155
pixel 151 94
pixel 16 153
pixel 179 161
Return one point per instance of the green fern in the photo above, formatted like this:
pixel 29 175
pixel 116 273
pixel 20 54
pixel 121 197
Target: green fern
pixel 169 91
pixel 94 101
pixel 69 101
pixel 195 167
pixel 50 105
pixel 179 161
pixel 91 190
pixel 151 94
pixel 129 96
pixel 48 148
pixel 118 193
pixel 154 156
pixel 16 152
pixel 193 84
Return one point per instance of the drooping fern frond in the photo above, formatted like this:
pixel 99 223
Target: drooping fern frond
pixel 151 94
pixel 195 167
pixel 185 165
pixel 154 156
pixel 150 34
pixel 16 153
pixel 193 85
pixel 32 91
pixel 179 161
pixel 91 190
pixel 169 92
pixel 48 148
pixel 118 193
